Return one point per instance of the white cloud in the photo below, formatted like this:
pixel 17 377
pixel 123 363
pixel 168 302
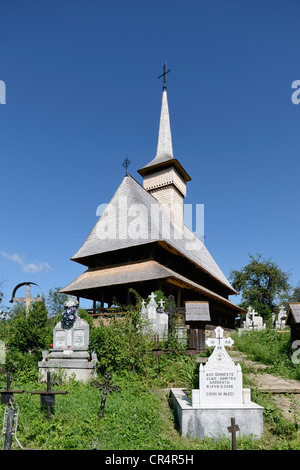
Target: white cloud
pixel 27 267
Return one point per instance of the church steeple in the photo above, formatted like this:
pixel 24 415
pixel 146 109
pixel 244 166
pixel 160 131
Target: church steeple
pixel 164 145
pixel 164 177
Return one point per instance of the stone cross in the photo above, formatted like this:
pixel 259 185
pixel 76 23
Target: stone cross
pixel 219 341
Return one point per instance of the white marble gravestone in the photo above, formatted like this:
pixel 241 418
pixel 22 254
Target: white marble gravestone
pixel 220 379
pixel 281 317
pixel 2 352
pixel 155 316
pixel 253 321
pixel 70 350
pixel 220 397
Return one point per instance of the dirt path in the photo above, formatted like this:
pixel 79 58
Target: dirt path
pixel 285 392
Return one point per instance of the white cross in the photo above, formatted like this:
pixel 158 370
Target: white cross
pixel 152 297
pixel 219 341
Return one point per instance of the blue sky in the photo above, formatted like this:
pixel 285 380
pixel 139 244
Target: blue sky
pixel 82 93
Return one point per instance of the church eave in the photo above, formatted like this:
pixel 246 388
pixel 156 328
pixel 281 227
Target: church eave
pixel 97 279
pixel 153 168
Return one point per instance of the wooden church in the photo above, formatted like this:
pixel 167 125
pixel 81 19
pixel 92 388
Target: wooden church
pixel 141 242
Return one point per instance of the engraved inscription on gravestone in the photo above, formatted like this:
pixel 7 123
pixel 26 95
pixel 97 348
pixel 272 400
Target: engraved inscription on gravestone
pixel 59 340
pixel 220 379
pixel 78 338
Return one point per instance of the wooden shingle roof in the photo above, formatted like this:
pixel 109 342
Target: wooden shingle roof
pixel 131 194
pixel 197 311
pixel 293 313
pixel 136 272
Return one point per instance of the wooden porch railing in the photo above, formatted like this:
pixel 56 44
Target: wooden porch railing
pixel 106 312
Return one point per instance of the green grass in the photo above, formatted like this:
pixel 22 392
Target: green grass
pixel 138 418
pixel 269 347
pixel 134 419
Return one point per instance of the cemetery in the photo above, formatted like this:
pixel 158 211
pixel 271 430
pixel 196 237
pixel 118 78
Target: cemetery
pixel 120 382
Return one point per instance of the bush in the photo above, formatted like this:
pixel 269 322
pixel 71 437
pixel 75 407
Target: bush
pixel 28 336
pixel 121 345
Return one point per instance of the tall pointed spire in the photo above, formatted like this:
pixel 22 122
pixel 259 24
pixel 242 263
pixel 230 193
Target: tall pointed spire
pixel 164 159
pixel 164 145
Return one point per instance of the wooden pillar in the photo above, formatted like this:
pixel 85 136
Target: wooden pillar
pixel 128 297
pixel 178 302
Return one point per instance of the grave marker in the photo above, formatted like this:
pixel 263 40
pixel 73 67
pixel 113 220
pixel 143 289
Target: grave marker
pixel 10 423
pixel 220 379
pixel 2 352
pixel 28 299
pixel 7 394
pixel 233 430
pixel 48 396
pixel 107 387
pixel 220 397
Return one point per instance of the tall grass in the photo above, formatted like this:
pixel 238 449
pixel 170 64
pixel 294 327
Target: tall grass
pixel 269 347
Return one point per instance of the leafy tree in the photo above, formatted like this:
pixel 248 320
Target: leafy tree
pixel 55 301
pixel 30 333
pixel 295 296
pixel 262 284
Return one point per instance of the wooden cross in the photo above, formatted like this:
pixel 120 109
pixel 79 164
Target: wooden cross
pixel 164 75
pixel 48 396
pixel 233 429
pixel 8 393
pixel 28 299
pixel 107 387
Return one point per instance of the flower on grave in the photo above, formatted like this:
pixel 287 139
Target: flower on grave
pixel 68 317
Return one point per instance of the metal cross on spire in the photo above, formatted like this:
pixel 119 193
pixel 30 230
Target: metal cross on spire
pixel 164 75
pixel 126 163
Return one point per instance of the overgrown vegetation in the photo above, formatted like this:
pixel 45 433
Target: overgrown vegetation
pixel 270 347
pixel 138 417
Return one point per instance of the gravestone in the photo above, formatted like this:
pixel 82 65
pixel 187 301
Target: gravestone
pixel 220 398
pixel 253 322
pixel 220 379
pixel 281 317
pixel 70 347
pixel 2 352
pixel 155 316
